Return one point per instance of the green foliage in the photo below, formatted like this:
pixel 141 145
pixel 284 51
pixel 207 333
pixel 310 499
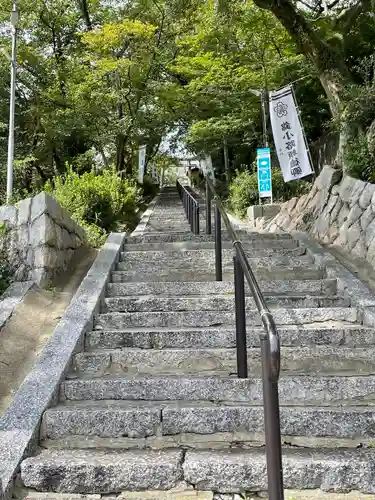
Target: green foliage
pixel 99 202
pixel 358 123
pixel 149 188
pixel 97 79
pixel 359 162
pixel 243 191
pixel 6 271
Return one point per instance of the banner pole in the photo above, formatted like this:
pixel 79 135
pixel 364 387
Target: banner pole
pixel 303 128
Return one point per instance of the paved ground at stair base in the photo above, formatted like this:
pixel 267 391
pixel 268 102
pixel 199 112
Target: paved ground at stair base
pixel 21 341
pixel 10 299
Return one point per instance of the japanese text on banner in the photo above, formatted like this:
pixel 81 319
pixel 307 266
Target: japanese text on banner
pixel 288 135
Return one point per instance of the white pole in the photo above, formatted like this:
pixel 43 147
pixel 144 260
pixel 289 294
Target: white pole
pixel 13 69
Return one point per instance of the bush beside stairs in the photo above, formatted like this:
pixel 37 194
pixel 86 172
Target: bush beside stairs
pixel 153 403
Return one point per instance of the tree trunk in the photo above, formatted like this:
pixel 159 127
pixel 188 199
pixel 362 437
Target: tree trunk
pixel 120 153
pixel 83 7
pixel 59 162
pixel 120 143
pixel 333 85
pixel 328 61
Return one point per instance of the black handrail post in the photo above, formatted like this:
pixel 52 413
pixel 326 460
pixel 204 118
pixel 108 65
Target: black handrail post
pixel 208 209
pixel 239 297
pixel 191 213
pixel 270 352
pixel 218 253
pixel 272 427
pixel 194 216
pixel 197 221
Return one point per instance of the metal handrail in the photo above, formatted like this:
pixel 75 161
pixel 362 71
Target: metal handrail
pixel 270 342
pixel 188 193
pixel 265 314
pixel 191 206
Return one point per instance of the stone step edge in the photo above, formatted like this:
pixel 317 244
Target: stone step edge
pixel 283 316
pixel 339 388
pixel 222 471
pixel 216 287
pixel 148 338
pixel 163 419
pixel 319 349
pixel 229 268
pixel 212 329
pixel 216 296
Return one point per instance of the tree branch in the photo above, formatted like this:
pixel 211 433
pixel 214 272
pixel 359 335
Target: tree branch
pixel 83 7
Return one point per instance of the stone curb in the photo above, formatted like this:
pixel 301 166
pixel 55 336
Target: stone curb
pixel 141 228
pixel 12 296
pixel 19 426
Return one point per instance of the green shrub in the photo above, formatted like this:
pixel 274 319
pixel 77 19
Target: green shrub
pixel 6 271
pixel 359 162
pixel 100 203
pixel 149 188
pixel 243 191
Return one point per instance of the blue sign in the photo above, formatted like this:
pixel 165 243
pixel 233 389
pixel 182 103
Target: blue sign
pixel 264 172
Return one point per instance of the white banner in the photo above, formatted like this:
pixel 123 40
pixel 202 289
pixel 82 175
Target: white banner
pixel 288 135
pixel 141 164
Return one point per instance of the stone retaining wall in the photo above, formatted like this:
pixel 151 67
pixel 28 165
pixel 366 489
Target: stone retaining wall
pixel 339 210
pixel 40 238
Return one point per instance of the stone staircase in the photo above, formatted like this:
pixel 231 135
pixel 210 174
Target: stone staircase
pixel 153 403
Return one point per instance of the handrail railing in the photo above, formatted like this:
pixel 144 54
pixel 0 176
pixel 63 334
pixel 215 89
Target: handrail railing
pixel 191 206
pixel 270 342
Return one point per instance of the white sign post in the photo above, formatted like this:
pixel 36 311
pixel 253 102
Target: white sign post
pixel 288 135
pixel 142 162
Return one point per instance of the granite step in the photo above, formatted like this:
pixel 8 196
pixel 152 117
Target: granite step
pixel 152 338
pixel 196 272
pixel 262 245
pixel 147 262
pixel 321 287
pixel 178 227
pixel 182 492
pixel 323 360
pixel 294 390
pixel 104 472
pixel 282 316
pixel 212 303
pixel 177 236
pixel 136 256
pixel 141 419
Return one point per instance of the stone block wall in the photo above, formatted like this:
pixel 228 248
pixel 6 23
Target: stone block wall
pixel 339 210
pixel 40 238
